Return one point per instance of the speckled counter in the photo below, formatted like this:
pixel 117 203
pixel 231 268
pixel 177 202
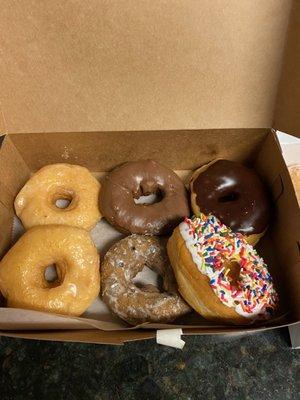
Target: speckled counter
pixel 258 366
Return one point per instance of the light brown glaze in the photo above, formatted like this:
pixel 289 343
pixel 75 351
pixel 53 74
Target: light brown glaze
pixel 22 270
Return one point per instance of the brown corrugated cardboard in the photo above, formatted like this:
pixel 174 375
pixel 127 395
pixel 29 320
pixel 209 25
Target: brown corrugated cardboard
pixel 138 69
pixel 109 149
pixel 140 65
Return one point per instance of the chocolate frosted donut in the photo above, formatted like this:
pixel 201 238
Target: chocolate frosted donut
pixel 234 194
pixel 140 178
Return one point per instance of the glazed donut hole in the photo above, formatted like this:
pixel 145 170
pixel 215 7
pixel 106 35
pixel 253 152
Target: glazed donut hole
pixel 54 274
pixel 63 199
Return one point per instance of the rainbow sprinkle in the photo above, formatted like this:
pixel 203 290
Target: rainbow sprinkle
pixel 212 246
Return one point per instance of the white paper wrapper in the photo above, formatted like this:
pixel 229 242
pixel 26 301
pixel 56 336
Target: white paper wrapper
pixel 290 148
pixel 170 337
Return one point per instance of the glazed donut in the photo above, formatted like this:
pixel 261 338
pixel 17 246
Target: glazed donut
pixel 22 270
pixel 294 171
pixel 134 179
pixel 219 274
pixel 234 194
pixel 36 202
pixel 133 304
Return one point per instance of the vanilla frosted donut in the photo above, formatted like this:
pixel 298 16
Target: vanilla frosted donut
pixel 137 304
pixel 22 270
pixel 219 274
pixel 36 202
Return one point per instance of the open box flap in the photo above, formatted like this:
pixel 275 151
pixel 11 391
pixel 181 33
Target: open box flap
pixel 128 65
pixel 287 114
pixel 116 337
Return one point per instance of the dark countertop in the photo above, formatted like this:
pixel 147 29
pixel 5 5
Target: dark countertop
pixel 258 366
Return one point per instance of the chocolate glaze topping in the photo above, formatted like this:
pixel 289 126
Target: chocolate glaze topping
pixel 134 179
pixel 235 195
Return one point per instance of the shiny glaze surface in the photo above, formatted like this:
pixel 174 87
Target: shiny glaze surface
pixel 235 195
pixel 134 179
pixel 71 250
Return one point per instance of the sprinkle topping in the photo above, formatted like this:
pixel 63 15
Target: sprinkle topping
pixel 238 276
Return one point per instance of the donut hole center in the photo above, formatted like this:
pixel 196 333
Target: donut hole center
pixel 148 280
pixel 228 198
pixel 62 203
pixel 147 198
pixel 63 200
pixel 52 275
pixel 233 268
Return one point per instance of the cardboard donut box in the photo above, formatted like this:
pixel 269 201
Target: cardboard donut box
pixel 102 83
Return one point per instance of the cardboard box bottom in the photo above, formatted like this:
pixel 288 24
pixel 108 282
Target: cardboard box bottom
pixel 23 154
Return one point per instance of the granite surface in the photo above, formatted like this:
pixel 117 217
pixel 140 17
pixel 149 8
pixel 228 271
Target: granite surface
pixel 258 366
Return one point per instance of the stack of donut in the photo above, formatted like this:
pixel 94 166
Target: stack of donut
pixel 208 263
